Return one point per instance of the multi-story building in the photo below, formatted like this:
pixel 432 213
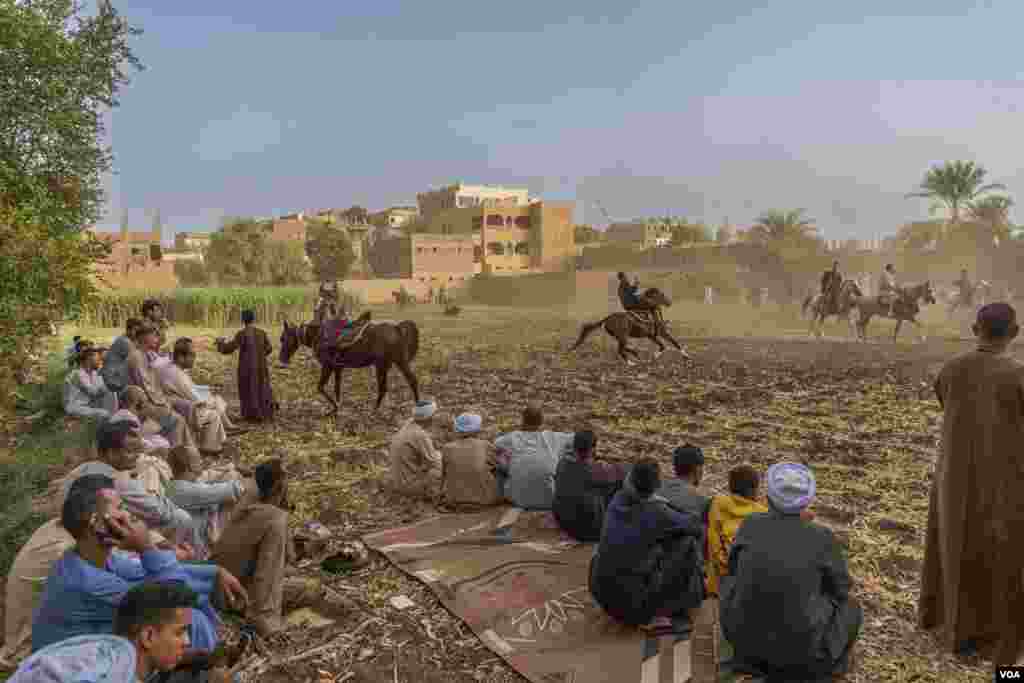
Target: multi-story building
pixel 639 234
pixel 460 196
pixel 432 259
pixel 136 260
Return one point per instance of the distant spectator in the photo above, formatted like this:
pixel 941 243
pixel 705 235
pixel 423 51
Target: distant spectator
pixel 85 393
pixel 527 459
pixel 583 488
pixel 415 462
pixel 468 466
pixel 133 401
pixel 254 390
pixel 785 604
pixel 648 567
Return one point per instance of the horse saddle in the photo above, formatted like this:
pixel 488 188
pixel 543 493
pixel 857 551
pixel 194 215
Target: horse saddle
pixel 341 334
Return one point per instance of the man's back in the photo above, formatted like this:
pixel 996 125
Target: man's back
pixel 581 497
pixel 468 475
pixel 684 496
pixel 532 458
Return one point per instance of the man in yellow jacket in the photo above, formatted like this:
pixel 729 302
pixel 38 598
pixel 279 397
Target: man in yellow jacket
pixel 724 518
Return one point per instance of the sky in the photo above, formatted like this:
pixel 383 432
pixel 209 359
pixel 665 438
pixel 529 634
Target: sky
pixel 713 112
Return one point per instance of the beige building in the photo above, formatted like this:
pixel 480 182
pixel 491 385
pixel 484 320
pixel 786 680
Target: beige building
pixel 433 260
pixel 460 196
pixel 513 239
pixel 639 234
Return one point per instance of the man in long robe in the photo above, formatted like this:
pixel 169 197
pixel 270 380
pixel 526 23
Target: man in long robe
pixel 972 573
pixel 415 463
pixel 207 414
pixel 158 407
pixel 254 392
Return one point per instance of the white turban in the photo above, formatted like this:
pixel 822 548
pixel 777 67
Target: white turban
pixel 468 423
pixel 424 409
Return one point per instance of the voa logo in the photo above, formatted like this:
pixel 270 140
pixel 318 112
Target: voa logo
pixel 1009 675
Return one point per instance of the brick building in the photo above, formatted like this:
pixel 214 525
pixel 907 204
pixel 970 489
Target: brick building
pixel 136 261
pixel 431 259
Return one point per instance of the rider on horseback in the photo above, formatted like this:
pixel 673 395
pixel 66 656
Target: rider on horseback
pixel 888 291
pixel 831 281
pixel 633 302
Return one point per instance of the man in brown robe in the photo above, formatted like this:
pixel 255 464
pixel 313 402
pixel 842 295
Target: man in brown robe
pixel 158 407
pixel 972 573
pixel 254 392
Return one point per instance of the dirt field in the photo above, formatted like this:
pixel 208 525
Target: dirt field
pixel 862 416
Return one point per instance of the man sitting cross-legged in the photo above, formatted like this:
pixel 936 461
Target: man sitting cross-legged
pixel 85 394
pixel 256 546
pixel 415 463
pixel 87 583
pixel 583 489
pixel 786 605
pixel 468 466
pixel 526 461
pixel 648 567
pixel 206 413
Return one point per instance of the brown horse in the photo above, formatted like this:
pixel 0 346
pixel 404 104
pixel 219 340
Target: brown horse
pixel 380 344
pixel 905 309
pixel 846 298
pixel 626 324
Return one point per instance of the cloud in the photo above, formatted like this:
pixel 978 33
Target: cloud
pixel 244 132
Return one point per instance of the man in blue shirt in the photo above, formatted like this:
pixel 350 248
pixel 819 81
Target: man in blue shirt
pixel 88 582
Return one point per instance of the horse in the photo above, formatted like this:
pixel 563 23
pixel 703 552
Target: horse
pixel 905 309
pixel 380 344
pixel 980 293
pixel 849 293
pixel 626 324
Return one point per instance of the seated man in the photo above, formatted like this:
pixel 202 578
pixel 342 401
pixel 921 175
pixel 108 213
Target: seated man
pixel 115 360
pixel 415 462
pixel 87 583
pixel 28 573
pixel 682 492
pixel 132 401
pixel 140 479
pixel 206 414
pixel 85 394
pixel 648 567
pixel 526 461
pixel 158 407
pixel 256 545
pixel 205 502
pixel 583 489
pixel 725 517
pixel 468 466
pixel 786 606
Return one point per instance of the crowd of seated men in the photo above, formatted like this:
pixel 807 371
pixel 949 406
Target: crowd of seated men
pixel 666 549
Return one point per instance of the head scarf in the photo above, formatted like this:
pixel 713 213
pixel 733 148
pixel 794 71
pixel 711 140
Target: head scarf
pixel 82 659
pixel 424 409
pixel 791 487
pixel 468 423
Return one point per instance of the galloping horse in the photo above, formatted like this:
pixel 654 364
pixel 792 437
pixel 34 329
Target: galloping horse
pixel 905 309
pixel 849 293
pixel 626 324
pixel 380 344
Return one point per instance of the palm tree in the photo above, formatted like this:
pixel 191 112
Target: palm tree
pixel 993 210
pixel 955 184
pixel 777 226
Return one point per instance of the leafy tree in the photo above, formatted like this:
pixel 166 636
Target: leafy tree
pixel 919 234
pixel 790 235
pixel 59 72
pixel 956 185
pixel 242 253
pixel 993 210
pixel 689 233
pixel 191 273
pixel 330 251
pixel 355 215
pixel 286 264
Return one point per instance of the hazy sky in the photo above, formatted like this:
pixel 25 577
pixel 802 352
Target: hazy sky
pixel 710 110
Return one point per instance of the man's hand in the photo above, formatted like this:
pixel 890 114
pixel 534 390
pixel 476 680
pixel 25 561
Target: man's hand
pixel 184 552
pixel 807 515
pixel 234 593
pixel 132 534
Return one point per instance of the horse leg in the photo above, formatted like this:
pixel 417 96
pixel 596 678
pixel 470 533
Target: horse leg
pixel 661 347
pixel 896 330
pixel 325 376
pixel 679 347
pixel 410 378
pixel 382 382
pixel 337 387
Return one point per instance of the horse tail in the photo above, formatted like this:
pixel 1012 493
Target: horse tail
pixel 587 329
pixel 411 334
pixel 807 302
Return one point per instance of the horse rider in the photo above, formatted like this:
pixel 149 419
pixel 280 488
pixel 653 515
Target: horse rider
pixel 831 281
pixel 631 301
pixel 888 290
pixel 966 289
pixel 328 300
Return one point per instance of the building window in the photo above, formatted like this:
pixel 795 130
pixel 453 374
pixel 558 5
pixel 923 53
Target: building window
pixel 522 249
pixel 478 222
pixel 496 248
pixel 495 220
pixel 419 250
pixel 451 279
pixel 435 250
pixel 522 221
pixel 478 253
